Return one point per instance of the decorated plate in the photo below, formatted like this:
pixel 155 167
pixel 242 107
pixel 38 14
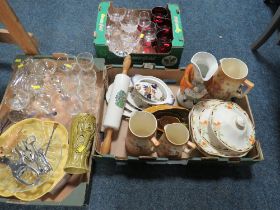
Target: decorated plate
pixel 199 125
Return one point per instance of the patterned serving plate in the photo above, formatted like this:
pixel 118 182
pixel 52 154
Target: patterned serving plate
pixel 199 126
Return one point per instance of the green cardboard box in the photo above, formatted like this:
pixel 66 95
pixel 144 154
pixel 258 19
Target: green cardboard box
pixel 169 60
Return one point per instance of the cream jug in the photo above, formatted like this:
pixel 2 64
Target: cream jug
pixel 197 74
pixel 229 79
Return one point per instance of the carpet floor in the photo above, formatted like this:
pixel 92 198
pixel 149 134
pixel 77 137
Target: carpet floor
pixel 224 28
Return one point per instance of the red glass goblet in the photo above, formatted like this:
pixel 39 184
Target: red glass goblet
pixel 166 28
pixel 159 14
pixel 164 43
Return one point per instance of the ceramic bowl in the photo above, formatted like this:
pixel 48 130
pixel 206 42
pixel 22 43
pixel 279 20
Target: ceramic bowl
pixel 167 114
pixel 150 90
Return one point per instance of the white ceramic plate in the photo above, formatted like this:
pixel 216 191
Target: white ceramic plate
pixel 199 134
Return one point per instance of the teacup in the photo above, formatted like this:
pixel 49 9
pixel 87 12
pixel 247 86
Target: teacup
pixel 141 138
pixel 229 79
pixel 174 141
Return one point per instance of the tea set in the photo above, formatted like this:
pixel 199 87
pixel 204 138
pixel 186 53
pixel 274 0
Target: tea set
pixel 215 125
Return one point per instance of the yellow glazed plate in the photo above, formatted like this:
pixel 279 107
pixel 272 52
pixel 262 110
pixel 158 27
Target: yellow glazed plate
pixel 56 156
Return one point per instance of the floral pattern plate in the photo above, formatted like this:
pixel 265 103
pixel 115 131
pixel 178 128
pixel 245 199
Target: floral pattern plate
pixel 198 126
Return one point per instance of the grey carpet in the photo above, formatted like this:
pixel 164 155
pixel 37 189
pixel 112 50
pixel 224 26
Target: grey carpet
pixel 224 28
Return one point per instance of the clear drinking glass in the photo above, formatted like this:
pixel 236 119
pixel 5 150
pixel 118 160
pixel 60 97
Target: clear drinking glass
pixel 87 78
pixel 85 61
pixel 116 14
pixel 130 22
pixel 19 100
pixel 49 66
pixel 60 79
pixel 43 104
pixel 144 20
pixel 149 35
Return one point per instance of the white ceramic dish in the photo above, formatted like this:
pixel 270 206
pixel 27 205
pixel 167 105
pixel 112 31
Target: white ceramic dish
pixel 199 125
pixel 162 93
pixel 235 131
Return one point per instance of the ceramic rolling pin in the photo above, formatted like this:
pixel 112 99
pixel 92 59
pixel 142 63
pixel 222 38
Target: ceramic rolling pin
pixel 116 105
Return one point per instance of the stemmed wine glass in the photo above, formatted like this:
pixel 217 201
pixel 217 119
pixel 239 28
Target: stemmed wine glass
pixel 87 78
pixel 116 15
pixel 144 20
pixel 130 21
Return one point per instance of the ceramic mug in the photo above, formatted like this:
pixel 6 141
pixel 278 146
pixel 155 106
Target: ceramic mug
pixel 174 141
pixel 141 138
pixel 229 79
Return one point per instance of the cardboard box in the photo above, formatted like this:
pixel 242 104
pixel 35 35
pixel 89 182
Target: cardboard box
pixel 72 190
pixel 118 152
pixel 169 60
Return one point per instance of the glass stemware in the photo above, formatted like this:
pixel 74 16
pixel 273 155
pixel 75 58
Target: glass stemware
pixel 144 20
pixel 149 35
pixel 60 78
pixel 18 103
pixel 116 14
pixel 87 79
pixel 130 22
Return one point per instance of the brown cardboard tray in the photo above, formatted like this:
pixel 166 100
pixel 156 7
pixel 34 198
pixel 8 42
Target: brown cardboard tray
pixel 72 190
pixel 118 152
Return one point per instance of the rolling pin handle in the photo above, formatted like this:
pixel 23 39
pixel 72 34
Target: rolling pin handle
pixel 106 145
pixel 126 64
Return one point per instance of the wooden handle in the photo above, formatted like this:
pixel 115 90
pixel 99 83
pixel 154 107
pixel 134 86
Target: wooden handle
pixel 126 64
pixel 106 145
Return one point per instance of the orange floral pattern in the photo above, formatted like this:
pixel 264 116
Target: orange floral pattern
pixel 217 124
pixel 252 139
pixel 203 143
pixel 229 105
pixel 204 122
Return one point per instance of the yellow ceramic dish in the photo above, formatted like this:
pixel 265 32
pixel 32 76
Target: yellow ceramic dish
pixel 56 155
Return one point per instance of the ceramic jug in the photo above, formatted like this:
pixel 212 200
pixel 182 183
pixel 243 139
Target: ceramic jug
pixel 141 140
pixel 197 74
pixel 175 141
pixel 229 79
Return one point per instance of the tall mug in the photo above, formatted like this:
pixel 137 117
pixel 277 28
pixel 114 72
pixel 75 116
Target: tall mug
pixel 81 137
pixel 229 79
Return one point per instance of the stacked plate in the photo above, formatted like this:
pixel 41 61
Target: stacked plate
pixel 221 128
